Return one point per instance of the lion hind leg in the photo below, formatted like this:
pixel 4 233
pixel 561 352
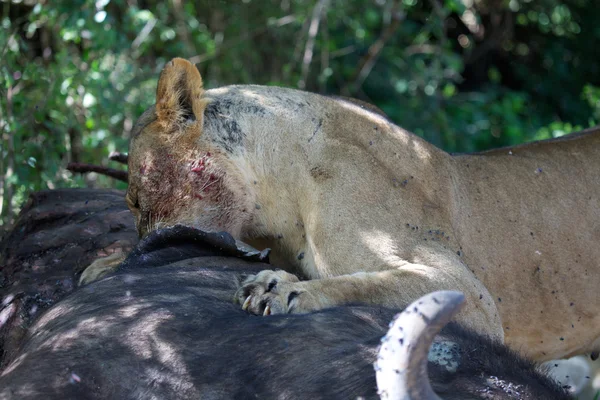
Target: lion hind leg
pixel 101 267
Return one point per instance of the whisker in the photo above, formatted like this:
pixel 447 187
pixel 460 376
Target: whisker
pixel 208 183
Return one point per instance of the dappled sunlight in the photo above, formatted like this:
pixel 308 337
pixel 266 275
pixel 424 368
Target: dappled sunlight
pixel 140 335
pixel 131 279
pixel 218 91
pixel 25 390
pixel 90 326
pixel 366 316
pixel 56 312
pixel 171 298
pixel 207 273
pixel 255 95
pixel 15 364
pixel 177 380
pixel 131 310
pixel 368 114
pixel 146 341
pixel 318 259
pixel 419 147
pixel 384 246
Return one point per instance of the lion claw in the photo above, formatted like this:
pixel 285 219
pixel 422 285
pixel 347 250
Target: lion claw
pixel 267 311
pixel 267 292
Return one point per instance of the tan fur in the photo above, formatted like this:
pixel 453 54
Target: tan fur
pixel 371 213
pixel 101 267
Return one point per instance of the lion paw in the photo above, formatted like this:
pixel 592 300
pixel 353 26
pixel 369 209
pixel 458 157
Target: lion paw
pixel 274 292
pixel 101 267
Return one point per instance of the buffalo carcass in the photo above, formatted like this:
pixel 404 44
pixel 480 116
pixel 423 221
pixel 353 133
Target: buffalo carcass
pixel 165 327
pixel 58 234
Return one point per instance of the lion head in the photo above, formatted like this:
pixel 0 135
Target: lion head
pixel 176 174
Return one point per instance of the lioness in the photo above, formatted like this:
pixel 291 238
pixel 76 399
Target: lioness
pixel 369 212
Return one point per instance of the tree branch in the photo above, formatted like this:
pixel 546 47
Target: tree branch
pixel 141 37
pixel 7 187
pixel 297 50
pixel 181 28
pixel 318 11
pixel 200 58
pixel 82 168
pixel 368 61
pixel 441 14
pixel 118 157
pixel 494 40
pixel 324 57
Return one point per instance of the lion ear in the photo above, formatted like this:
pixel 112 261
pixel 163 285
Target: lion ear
pixel 179 96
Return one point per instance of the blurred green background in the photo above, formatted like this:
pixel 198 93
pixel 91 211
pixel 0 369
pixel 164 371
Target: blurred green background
pixel 465 74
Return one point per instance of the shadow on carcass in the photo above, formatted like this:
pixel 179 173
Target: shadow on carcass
pixel 57 234
pixel 165 327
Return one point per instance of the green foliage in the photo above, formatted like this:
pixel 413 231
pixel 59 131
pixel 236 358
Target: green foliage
pixel 467 76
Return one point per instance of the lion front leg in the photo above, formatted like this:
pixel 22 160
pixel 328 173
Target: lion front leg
pixel 278 292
